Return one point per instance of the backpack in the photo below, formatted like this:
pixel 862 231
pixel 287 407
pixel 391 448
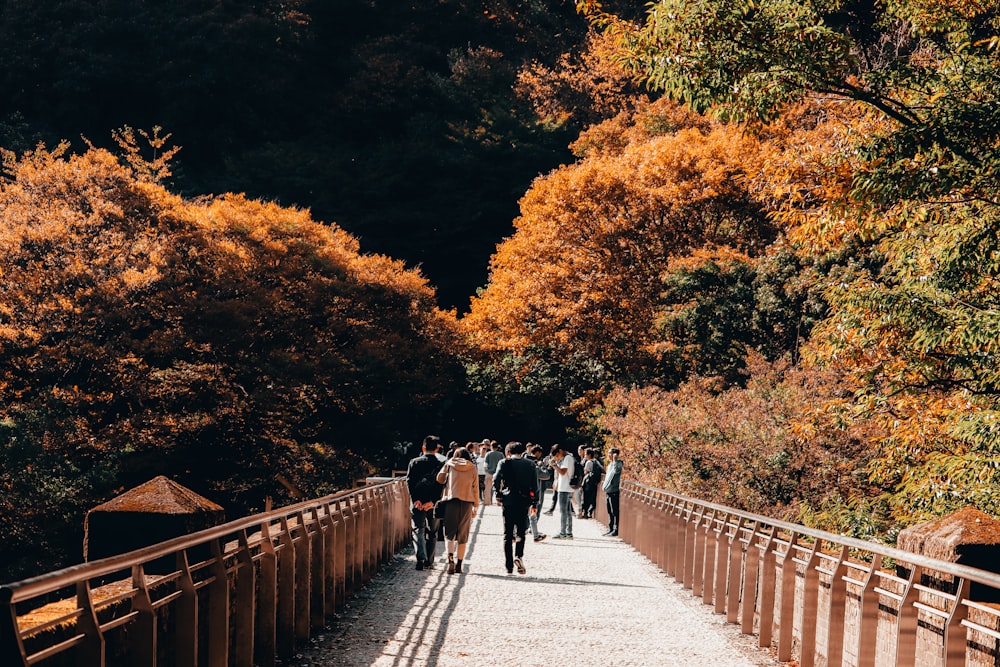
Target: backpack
pixel 576 479
pixel 594 478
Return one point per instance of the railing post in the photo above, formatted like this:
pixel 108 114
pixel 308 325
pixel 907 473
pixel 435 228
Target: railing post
pixel 351 577
pixel 906 621
pixel 710 558
pixel 736 572
pixel 786 605
pixel 329 562
pixel 698 532
pixel 142 630
pixel 690 531
pixel 185 615
pixel 317 577
pixel 218 608
pixel 11 646
pixel 267 600
pixel 91 651
pixel 721 564
pixel 868 616
pixel 303 569
pixel 245 584
pixel 810 606
pixel 766 593
pixel 340 555
pixel 380 525
pixel 749 597
pixel 955 635
pixel 658 536
pixel 837 611
pixel 286 591
pixel 670 531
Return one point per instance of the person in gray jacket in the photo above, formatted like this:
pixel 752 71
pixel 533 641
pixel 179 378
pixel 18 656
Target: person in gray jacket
pixel 611 486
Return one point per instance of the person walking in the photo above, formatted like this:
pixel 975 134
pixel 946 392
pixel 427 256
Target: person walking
pixel 425 490
pixel 493 459
pixel 592 471
pixel 577 481
pixel 516 487
pixel 461 495
pixel 480 452
pixel 612 491
pixel 544 474
pixel 562 467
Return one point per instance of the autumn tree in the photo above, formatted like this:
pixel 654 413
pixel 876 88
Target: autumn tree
pixel 580 286
pixel 223 341
pixel 914 327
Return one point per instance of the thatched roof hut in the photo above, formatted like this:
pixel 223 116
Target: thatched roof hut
pixel 967 537
pixel 153 512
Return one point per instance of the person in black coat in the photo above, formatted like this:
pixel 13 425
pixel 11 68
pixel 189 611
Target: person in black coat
pixel 516 487
pixel 425 490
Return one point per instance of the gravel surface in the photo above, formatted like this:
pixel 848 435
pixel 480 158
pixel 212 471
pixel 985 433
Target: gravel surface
pixel 589 601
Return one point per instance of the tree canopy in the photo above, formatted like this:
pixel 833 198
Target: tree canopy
pixel 221 341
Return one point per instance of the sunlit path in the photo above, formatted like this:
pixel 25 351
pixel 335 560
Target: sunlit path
pixel 590 601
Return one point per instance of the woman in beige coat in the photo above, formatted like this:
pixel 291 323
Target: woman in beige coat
pixel 461 493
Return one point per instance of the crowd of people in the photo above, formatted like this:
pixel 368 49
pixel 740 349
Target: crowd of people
pixel 448 486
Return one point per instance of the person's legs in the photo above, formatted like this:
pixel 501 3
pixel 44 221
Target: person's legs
pixel 435 529
pixel 520 533
pixel 508 539
pixel 614 511
pixel 565 514
pixel 489 490
pixel 420 530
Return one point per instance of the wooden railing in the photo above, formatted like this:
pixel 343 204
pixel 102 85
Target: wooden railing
pixel 816 597
pixel 238 594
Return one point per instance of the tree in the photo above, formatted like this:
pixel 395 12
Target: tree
pixel 913 323
pixel 578 283
pixel 220 341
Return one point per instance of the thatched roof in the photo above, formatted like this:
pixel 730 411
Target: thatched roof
pixel 159 495
pixel 945 538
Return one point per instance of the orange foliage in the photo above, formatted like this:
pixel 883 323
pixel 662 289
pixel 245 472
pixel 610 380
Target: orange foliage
pixel 581 275
pixel 220 341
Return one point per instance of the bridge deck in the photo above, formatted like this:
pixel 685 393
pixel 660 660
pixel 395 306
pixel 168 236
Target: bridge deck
pixel 590 601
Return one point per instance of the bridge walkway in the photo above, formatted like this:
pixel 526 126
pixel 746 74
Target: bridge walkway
pixel 589 601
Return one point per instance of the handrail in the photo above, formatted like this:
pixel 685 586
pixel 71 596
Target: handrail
pixel 954 569
pixel 256 588
pixel 819 597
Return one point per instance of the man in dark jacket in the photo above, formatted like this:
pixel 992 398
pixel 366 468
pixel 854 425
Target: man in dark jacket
pixel 424 490
pixel 516 487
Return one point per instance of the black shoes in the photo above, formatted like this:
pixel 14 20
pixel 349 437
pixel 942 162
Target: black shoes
pixel 540 537
pixel 519 564
pixel 451 564
pixel 420 564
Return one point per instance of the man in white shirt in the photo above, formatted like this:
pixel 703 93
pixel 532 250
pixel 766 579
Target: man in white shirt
pixel 562 467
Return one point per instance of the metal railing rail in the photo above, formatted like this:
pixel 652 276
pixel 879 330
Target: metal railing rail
pixel 815 596
pixel 243 593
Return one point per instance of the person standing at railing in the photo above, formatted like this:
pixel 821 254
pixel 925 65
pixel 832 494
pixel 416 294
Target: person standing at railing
pixel 611 486
pixel 592 471
pixel 562 467
pixel 516 487
pixel 461 497
pixel 425 490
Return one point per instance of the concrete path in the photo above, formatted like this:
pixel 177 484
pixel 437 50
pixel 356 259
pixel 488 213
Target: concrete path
pixel 589 601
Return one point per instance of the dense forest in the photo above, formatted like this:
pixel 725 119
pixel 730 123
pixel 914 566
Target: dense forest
pixel 752 244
